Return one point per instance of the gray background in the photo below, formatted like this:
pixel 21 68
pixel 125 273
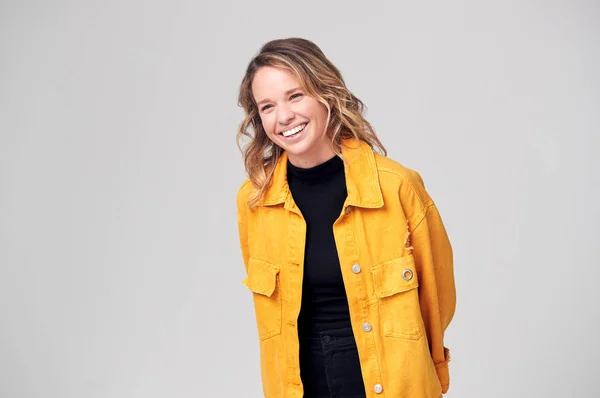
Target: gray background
pixel 120 270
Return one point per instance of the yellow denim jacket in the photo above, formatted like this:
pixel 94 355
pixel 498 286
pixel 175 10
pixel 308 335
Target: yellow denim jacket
pixel 401 295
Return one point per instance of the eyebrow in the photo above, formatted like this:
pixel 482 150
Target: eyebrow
pixel 286 93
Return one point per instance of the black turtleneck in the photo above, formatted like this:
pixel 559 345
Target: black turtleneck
pixel 320 193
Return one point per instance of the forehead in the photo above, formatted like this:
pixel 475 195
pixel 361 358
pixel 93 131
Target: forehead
pixel 272 82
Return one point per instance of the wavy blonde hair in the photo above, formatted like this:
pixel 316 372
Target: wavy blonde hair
pixel 320 79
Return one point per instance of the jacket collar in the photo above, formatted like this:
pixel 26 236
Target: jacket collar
pixel 360 169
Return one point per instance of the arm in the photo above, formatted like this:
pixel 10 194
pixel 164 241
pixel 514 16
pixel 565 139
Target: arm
pixel 437 295
pixel 242 216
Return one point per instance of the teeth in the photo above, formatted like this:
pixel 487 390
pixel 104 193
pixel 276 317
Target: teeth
pixel 294 130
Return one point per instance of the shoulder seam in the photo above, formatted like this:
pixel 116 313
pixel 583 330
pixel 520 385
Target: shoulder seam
pixel 424 205
pixel 422 216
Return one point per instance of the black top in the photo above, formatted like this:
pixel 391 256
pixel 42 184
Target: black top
pixel 320 193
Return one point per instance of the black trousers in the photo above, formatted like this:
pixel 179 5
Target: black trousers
pixel 329 365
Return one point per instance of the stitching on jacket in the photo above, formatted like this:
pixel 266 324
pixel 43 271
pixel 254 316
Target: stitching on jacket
pixel 406 179
pixel 422 216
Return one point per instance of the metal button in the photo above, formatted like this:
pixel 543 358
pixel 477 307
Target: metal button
pixel 327 338
pixel 356 268
pixel 407 274
pixel 378 388
pixel 366 327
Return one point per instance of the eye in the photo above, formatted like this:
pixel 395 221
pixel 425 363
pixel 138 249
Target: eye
pixel 297 95
pixel 264 108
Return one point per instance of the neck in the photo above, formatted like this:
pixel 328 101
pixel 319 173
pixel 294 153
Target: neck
pixel 306 162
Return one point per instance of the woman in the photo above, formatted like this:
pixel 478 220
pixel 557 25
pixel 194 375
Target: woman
pixel 346 256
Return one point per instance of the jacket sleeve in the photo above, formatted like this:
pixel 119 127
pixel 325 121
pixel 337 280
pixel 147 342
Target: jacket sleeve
pixel 433 256
pixel 242 218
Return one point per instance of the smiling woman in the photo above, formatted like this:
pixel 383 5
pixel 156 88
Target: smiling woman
pixel 294 121
pixel 347 259
pixel 307 76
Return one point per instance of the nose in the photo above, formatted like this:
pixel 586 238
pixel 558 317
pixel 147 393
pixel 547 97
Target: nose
pixel 284 114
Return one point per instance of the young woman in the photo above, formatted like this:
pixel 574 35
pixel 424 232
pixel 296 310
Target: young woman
pixel 346 256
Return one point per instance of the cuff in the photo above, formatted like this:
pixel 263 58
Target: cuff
pixel 442 371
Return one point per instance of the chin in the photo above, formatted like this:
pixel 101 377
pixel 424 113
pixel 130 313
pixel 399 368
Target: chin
pixel 298 149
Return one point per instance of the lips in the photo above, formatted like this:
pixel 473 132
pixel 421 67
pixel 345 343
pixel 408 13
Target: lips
pixel 294 130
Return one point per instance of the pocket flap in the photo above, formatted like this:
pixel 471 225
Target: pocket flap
pixel 395 276
pixel 262 277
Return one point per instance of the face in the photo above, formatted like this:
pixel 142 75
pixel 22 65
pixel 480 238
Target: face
pixel 293 120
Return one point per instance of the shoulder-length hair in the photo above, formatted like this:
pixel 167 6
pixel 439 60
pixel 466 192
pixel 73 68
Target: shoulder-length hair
pixel 320 79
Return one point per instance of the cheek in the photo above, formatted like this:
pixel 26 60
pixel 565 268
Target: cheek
pixel 318 112
pixel 268 124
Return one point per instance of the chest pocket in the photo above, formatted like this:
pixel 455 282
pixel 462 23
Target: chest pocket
pixel 395 283
pixel 263 282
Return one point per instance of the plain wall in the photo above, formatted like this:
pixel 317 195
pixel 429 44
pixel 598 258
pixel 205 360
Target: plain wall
pixel 120 269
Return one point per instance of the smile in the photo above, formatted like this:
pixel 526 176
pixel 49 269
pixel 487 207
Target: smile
pixel 293 131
